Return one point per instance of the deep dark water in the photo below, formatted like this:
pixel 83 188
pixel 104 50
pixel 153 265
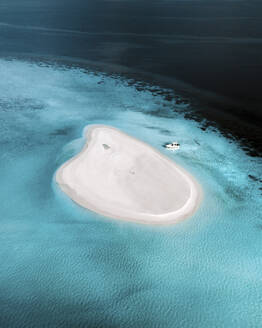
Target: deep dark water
pixel 209 49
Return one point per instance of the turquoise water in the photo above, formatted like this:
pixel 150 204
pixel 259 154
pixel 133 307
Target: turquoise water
pixel 63 266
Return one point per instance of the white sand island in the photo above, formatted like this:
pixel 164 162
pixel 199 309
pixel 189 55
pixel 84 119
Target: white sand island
pixel 121 177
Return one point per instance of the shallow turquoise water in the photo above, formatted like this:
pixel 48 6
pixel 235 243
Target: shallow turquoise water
pixel 63 266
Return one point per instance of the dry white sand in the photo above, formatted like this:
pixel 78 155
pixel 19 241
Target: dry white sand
pixel 121 177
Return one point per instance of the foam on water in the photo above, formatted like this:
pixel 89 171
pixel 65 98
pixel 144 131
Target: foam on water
pixel 64 266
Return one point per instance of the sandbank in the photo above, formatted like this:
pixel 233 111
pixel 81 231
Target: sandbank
pixel 121 177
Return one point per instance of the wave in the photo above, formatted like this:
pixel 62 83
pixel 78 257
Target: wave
pixel 172 37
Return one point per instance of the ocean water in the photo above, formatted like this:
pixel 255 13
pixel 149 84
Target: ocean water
pixel 63 266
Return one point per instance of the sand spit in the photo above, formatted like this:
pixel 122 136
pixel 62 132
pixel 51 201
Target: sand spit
pixel 121 177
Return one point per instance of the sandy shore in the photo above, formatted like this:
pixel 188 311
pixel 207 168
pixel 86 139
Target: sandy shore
pixel 121 177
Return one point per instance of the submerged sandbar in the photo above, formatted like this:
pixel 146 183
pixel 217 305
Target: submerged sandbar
pixel 121 177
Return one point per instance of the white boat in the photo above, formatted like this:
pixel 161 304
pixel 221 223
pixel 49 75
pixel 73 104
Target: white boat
pixel 173 146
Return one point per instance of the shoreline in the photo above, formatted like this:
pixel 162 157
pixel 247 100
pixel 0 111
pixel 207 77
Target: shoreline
pixel 66 180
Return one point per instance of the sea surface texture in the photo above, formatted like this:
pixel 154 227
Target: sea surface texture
pixel 64 266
